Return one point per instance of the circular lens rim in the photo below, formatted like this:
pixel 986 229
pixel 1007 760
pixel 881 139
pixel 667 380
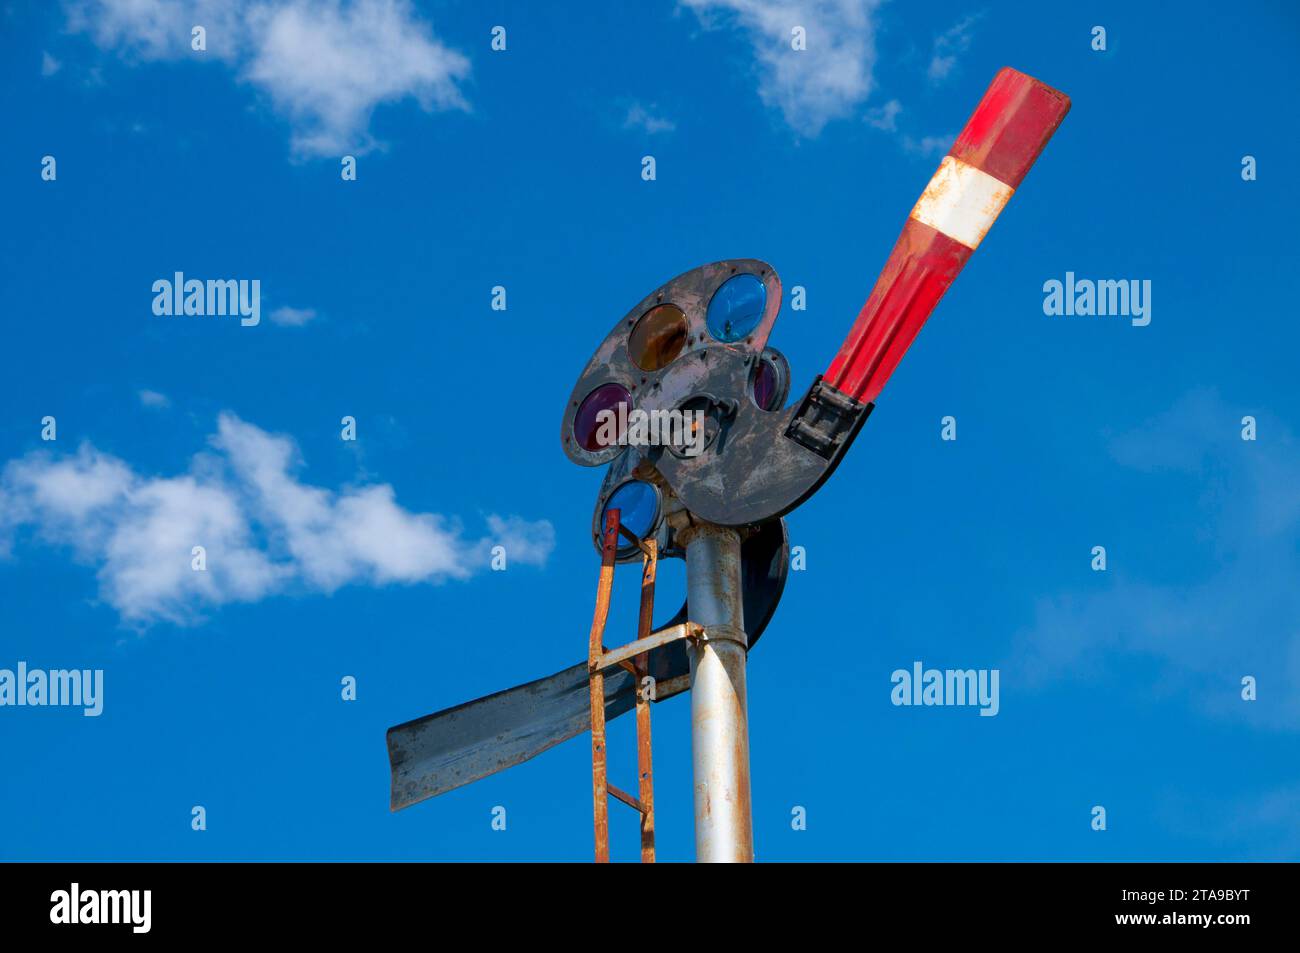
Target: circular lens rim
pixel 712 415
pixel 714 331
pixel 577 416
pixel 626 548
pixel 775 360
pixel 682 326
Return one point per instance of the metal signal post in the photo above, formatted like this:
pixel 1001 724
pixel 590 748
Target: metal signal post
pixel 724 829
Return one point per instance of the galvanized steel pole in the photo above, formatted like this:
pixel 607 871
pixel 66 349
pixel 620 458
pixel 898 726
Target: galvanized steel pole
pixel 719 723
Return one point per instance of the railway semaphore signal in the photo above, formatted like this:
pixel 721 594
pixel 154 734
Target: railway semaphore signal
pixel 693 356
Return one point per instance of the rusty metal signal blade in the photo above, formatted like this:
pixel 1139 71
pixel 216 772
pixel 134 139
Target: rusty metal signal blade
pixel 451 748
pixel 456 746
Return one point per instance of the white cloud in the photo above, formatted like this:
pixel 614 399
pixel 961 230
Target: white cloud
pixel 49 65
pixel 160 29
pixel 264 530
pixel 947 45
pixel 325 65
pixel 811 87
pixel 524 541
pixel 642 119
pixel 151 398
pixel 885 117
pixel 292 317
pixel 145 564
pixel 928 145
pixel 65 494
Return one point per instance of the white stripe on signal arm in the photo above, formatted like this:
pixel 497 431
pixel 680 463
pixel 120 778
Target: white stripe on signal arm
pixel 962 202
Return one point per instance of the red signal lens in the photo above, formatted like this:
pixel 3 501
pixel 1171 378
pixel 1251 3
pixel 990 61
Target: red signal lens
pixel 593 426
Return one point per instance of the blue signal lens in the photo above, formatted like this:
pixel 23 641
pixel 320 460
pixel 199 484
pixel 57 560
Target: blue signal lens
pixel 638 506
pixel 736 308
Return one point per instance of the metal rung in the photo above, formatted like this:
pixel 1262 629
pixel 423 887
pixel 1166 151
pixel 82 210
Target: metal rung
pixel 687 630
pixel 626 798
pixel 635 540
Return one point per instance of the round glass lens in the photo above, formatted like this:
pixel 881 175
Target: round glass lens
pixel 658 337
pixel 736 308
pixel 593 426
pixel 638 506
pixel 765 386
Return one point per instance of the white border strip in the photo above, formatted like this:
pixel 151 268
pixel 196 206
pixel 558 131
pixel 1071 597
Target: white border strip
pixel 962 202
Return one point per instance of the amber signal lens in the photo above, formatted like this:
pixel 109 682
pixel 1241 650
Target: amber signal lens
pixel 658 337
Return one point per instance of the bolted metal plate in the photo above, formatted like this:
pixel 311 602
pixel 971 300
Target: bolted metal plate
pixel 667 388
pixel 757 464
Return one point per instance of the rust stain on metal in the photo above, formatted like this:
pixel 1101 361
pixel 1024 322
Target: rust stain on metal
pixel 644 765
pixel 599 659
pixel 935 190
pixel 599 794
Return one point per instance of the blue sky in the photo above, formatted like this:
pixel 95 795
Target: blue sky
pixel 522 169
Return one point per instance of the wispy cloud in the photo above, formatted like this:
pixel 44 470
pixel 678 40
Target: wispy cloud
pixel 153 399
pixel 1241 615
pixel 827 80
pixel 928 145
pixel 325 65
pixel 644 120
pixel 263 529
pixel 49 65
pixel 885 117
pixel 292 317
pixel 948 45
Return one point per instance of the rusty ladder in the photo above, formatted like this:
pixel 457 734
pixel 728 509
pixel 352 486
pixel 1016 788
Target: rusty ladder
pixel 633 658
